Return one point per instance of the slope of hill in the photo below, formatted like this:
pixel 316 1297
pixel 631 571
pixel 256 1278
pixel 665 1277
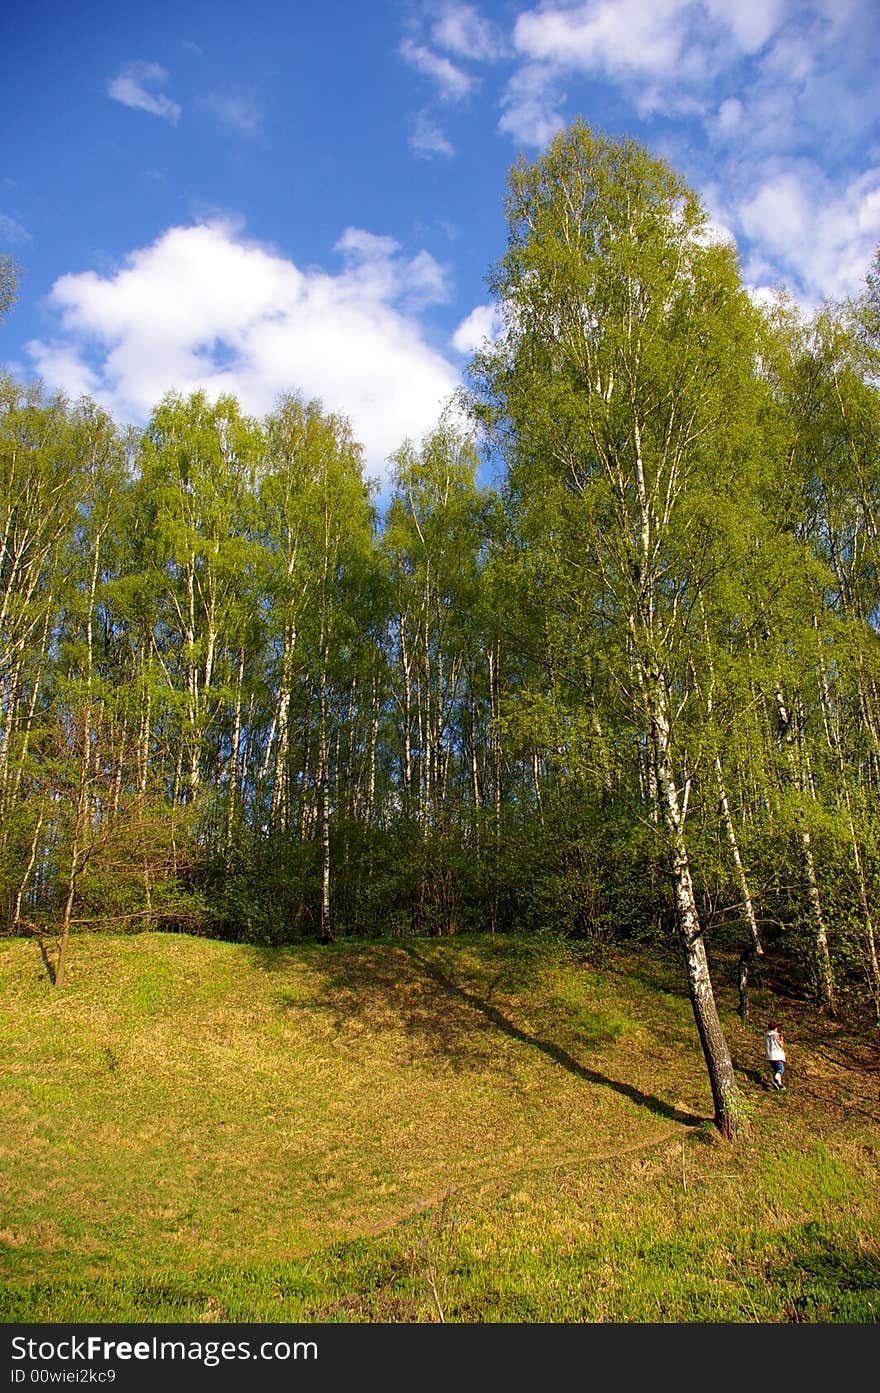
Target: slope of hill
pixel 471 1129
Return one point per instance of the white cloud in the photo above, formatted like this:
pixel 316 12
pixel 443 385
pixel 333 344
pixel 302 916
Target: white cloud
pixel 428 139
pixel 750 22
pixel 791 59
pixel 12 231
pixel 482 324
pixel 531 105
pixel 237 113
pixel 453 83
pixel 462 29
pixel 778 213
pixel 676 40
pixel 135 86
pixel 638 45
pixel 373 264
pixel 362 248
pixel 616 35
pixel 204 308
pixel 60 365
pixel 665 54
pixel 730 115
pixel 823 236
pixel 424 282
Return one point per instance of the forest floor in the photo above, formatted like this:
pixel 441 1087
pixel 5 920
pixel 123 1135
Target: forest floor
pixel 466 1129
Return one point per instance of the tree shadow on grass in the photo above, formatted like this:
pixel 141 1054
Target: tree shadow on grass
pixel 754 1076
pixel 376 991
pixel 549 1047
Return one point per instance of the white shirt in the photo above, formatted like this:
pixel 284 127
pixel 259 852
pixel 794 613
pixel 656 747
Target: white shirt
pixel 774 1045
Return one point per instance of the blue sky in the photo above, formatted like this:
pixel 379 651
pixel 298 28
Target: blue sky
pixel 308 195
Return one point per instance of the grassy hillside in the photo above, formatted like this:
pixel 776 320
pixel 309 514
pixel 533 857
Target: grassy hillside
pixel 467 1129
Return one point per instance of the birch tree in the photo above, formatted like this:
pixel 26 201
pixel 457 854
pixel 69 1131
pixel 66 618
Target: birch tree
pixel 39 483
pixel 197 468
pixel 319 532
pixel 628 346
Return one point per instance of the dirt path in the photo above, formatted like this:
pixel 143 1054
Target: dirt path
pixel 506 1177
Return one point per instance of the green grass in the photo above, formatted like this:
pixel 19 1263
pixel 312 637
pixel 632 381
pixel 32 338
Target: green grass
pixel 490 1130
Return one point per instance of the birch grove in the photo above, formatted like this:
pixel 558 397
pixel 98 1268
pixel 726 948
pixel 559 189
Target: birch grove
pixel 601 658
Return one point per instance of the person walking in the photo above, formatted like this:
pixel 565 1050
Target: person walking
pixel 775 1046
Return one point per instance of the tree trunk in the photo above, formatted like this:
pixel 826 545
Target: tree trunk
pixel 821 954
pixel 716 1052
pixel 234 754
pixel 755 948
pixel 822 968
pixel 836 746
pixel 324 795
pixel 64 940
